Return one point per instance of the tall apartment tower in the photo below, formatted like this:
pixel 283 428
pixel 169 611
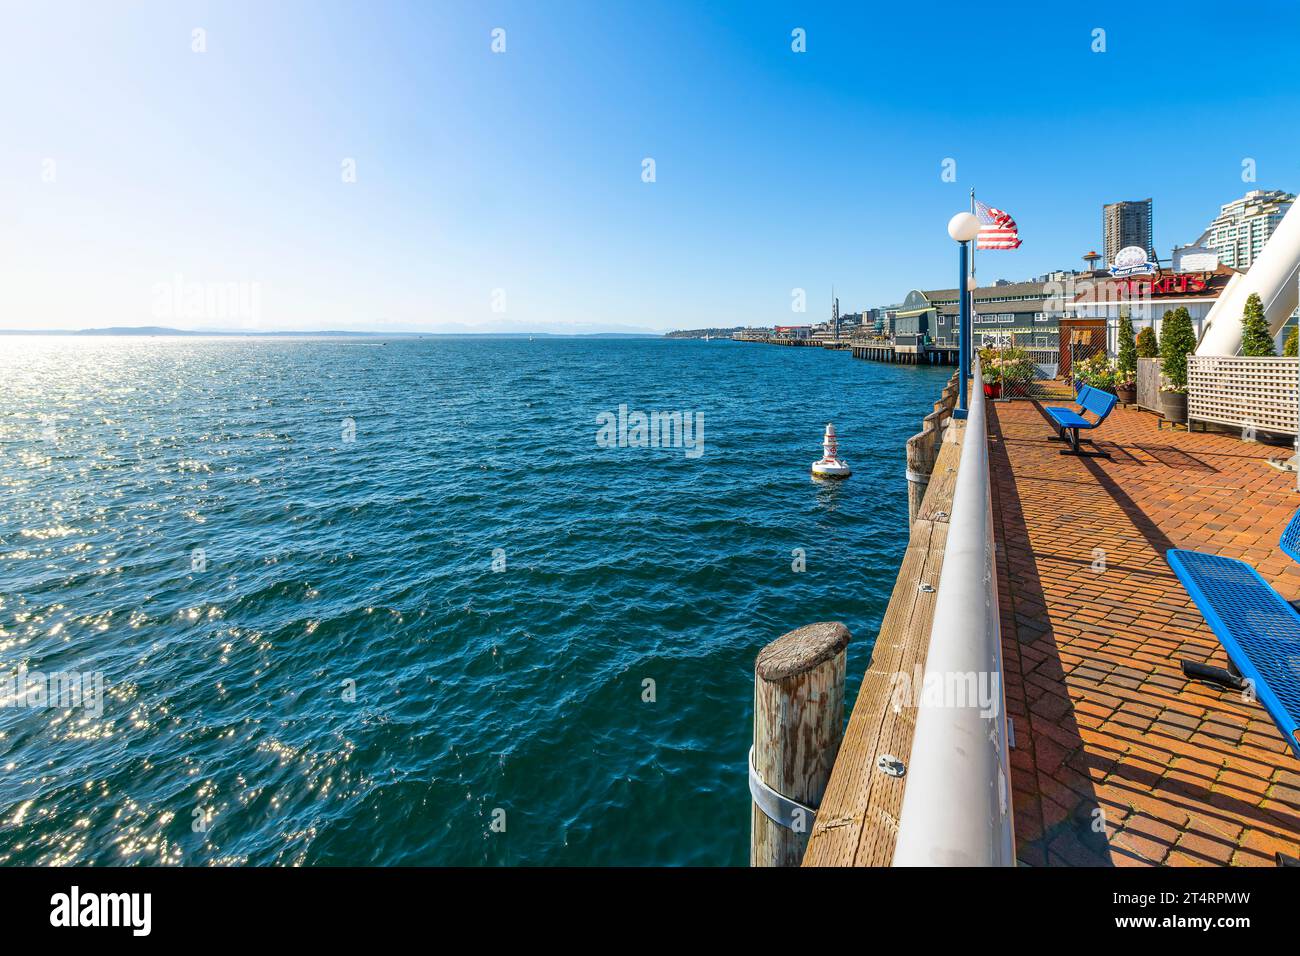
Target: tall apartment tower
pixel 1243 226
pixel 1126 223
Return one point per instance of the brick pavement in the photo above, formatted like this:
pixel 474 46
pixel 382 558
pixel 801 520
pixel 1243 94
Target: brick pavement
pixel 1119 760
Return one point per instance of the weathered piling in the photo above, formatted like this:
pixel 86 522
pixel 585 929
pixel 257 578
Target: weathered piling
pixel 920 462
pixel 923 448
pixel 798 727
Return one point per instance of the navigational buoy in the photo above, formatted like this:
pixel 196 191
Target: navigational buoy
pixel 831 465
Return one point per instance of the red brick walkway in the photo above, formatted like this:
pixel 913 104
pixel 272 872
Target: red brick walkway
pixel 1119 760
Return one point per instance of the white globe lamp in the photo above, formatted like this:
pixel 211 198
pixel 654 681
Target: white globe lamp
pixel 963 227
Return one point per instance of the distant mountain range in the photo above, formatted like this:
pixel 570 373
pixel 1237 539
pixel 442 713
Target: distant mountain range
pixel 158 330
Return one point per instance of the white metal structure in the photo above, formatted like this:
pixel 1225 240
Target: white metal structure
pixel 1273 277
pixel 957 803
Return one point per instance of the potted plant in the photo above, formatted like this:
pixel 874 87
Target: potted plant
pixel 1126 363
pixel 1095 371
pixel 1255 338
pixel 991 367
pixel 1147 347
pixel 1009 368
pixel 1177 341
pixel 991 371
pixel 1024 373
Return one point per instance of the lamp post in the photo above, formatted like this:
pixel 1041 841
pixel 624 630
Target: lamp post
pixel 963 228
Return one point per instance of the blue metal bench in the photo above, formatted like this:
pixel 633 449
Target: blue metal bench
pixel 1069 422
pixel 1259 630
pixel 1290 543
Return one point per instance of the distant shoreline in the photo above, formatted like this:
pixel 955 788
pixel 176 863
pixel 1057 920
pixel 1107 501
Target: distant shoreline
pixel 160 332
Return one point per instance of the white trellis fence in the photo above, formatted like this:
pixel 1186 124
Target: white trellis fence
pixel 1258 393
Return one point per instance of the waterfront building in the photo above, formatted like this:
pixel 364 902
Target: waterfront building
pixel 915 325
pixel 828 332
pixel 1059 310
pixel 1101 301
pixel 1242 227
pixel 1125 223
pixel 792 331
pixel 1020 313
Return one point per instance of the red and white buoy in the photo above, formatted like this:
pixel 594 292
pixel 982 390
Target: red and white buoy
pixel 831 465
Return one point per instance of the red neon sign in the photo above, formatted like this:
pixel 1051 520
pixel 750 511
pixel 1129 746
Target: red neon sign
pixel 1182 283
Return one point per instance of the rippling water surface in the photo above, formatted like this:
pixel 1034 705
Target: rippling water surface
pixel 228 731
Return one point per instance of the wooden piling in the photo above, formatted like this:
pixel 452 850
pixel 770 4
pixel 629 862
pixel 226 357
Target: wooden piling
pixel 923 450
pixel 798 727
pixel 919 461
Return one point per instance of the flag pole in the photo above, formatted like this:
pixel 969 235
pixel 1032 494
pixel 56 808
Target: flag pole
pixel 970 292
pixel 972 248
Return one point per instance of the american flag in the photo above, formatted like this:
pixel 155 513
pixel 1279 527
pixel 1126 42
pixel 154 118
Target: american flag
pixel 997 228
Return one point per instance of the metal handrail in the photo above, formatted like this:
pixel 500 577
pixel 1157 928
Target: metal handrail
pixel 957 802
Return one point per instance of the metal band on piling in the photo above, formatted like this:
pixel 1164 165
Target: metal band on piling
pixel 777 807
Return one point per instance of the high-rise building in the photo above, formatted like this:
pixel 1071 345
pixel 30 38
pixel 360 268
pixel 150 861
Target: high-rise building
pixel 1126 223
pixel 1244 225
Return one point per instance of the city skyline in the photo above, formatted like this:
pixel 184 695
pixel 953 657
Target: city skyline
pixel 289 171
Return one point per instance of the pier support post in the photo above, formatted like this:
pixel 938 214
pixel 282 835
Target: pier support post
pixel 923 451
pixel 798 727
pixel 920 463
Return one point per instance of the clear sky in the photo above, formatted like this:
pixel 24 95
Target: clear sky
pixel 134 166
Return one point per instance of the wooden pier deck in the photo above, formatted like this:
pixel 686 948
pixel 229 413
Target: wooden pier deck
pixel 1119 760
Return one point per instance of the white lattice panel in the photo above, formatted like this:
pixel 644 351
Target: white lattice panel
pixel 1264 392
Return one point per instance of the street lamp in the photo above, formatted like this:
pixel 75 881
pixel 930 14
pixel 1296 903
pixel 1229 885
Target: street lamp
pixel 963 228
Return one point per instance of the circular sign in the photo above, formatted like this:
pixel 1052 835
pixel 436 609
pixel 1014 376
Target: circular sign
pixel 1130 256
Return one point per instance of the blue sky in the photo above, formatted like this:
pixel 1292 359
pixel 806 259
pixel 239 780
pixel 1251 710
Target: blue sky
pixel 521 171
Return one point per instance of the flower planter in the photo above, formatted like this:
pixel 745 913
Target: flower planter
pixel 1126 393
pixel 993 389
pixel 1079 383
pixel 1173 406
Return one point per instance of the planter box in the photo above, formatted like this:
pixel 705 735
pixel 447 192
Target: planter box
pixel 1173 406
pixel 1149 381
